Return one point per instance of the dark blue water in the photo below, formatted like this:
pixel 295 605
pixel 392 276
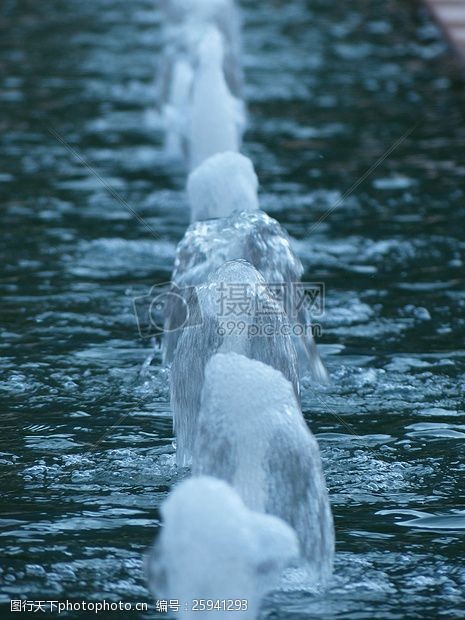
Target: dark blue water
pixel 86 440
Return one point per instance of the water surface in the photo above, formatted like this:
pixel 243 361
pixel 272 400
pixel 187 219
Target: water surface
pixel 86 450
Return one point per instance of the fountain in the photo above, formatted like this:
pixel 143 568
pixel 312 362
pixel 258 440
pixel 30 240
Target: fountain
pixel 185 24
pixel 215 549
pixel 217 119
pixel 251 433
pixel 225 187
pixel 221 185
pixel 256 328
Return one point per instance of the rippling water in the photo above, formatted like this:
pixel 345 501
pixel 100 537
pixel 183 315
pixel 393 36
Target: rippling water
pixel 86 450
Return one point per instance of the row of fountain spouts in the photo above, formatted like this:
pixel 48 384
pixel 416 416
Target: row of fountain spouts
pixel 255 510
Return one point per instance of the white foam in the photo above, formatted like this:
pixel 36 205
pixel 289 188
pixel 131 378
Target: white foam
pixel 185 21
pixel 187 26
pixel 215 118
pixel 252 434
pixel 222 184
pixel 210 331
pixel 213 548
pixel 249 235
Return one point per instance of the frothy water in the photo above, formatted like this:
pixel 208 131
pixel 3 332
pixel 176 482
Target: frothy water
pixel 260 240
pixel 251 433
pixel 215 116
pixel 207 334
pixel 185 25
pixel 222 184
pixel 214 548
pixel 86 456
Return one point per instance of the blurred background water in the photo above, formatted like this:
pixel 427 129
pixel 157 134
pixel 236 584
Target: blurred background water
pixel 86 447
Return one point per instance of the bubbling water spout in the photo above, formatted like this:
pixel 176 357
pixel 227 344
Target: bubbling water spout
pixel 252 434
pixel 189 30
pixel 214 548
pixel 224 187
pixel 216 117
pixel 247 331
pixel 185 20
pixel 221 185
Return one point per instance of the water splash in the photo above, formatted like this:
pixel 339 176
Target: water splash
pixel 252 434
pixel 216 117
pixel 208 334
pixel 222 184
pixel 214 548
pixel 258 239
